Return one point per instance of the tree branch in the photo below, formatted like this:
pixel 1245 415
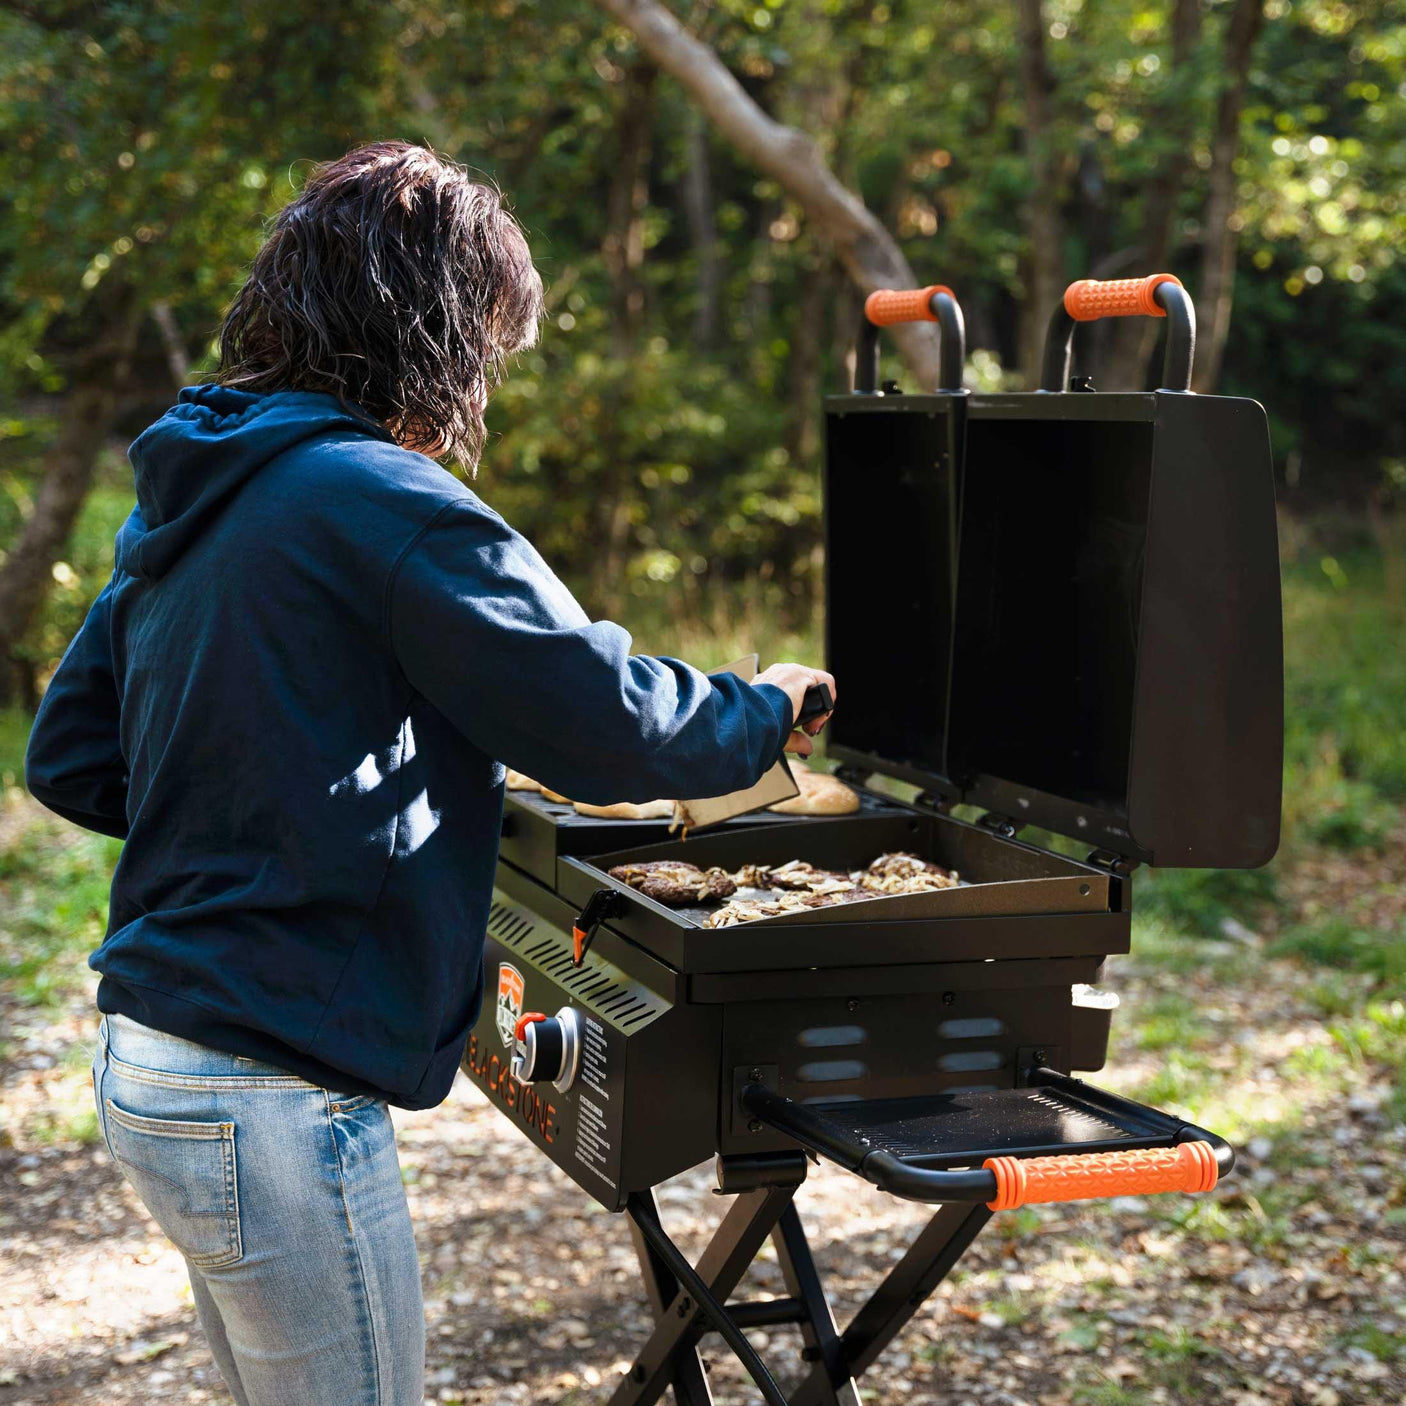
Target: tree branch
pixel 1216 294
pixel 867 251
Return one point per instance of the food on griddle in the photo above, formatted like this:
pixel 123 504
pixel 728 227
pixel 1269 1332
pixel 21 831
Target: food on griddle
pixel 752 876
pixel 628 810
pixel 674 882
pixel 797 876
pixel 821 794
pixel 516 781
pixel 749 910
pixel 549 795
pixel 905 873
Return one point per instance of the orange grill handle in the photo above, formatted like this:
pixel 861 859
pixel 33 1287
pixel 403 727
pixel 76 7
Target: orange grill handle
pixel 1190 1166
pixel 890 305
pixel 1092 298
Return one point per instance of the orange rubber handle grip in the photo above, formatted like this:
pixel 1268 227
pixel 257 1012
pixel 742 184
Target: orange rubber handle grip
pixel 889 305
pixel 1092 298
pixel 1190 1166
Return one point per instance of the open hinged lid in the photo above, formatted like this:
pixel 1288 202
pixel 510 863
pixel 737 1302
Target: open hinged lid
pixel 1064 608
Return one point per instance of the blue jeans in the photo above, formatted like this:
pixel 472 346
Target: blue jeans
pixel 287 1203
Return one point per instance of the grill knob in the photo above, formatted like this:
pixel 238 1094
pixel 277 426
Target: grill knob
pixel 549 1048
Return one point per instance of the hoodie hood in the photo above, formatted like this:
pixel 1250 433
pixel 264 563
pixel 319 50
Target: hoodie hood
pixel 197 456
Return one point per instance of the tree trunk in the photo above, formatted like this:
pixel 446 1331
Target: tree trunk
pixel 623 252
pixel 623 246
pixel 1043 226
pixel 171 342
pixel 865 249
pixel 698 207
pixel 807 361
pixel 1135 338
pixel 26 573
pixel 1217 292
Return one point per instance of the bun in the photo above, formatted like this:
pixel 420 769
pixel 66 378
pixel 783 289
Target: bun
pixel 821 794
pixel 628 810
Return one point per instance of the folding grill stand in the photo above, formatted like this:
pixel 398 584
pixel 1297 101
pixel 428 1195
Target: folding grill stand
pixel 689 1302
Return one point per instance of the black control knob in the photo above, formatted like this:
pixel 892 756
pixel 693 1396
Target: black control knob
pixel 549 1049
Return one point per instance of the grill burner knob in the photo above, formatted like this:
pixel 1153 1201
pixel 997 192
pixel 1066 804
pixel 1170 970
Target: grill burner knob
pixel 548 1048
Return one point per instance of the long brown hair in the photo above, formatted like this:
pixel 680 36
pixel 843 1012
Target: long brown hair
pixel 396 282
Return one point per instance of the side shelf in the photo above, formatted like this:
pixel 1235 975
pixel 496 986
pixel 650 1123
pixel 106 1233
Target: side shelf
pixel 1059 1139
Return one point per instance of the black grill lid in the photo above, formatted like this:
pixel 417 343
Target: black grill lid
pixel 1064 608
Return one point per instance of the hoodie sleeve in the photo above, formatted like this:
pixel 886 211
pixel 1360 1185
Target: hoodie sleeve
pixel 74 763
pixel 486 632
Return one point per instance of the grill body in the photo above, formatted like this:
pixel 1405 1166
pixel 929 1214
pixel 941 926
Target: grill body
pixel 678 1019
pixel 1083 593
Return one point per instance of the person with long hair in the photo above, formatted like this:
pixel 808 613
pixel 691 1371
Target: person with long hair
pixel 295 701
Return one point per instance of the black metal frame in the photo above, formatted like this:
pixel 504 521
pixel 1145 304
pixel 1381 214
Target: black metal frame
pixel 691 1301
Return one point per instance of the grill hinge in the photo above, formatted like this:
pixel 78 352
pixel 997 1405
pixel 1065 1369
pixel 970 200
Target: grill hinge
pixel 999 824
pixel 854 775
pixel 1118 864
pixel 934 801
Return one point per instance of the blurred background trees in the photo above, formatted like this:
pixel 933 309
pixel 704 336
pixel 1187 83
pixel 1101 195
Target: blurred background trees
pixel 661 444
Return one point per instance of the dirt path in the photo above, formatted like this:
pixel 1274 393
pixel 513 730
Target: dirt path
pixel 1286 1287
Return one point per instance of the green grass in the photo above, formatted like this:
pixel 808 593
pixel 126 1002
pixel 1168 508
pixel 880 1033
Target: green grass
pixel 1108 1393
pixel 1385 1345
pixel 53 897
pixel 1344 743
pixel 14 733
pixel 1345 697
pixel 1337 942
pixel 1172 1022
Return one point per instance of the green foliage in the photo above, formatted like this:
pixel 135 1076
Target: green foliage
pixel 1201 901
pixel 1337 941
pixel 142 146
pixel 14 735
pixel 1346 682
pixel 86 566
pixel 53 896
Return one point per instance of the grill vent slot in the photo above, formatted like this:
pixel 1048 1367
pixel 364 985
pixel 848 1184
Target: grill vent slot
pixel 968 1060
pixel 509 926
pixel 597 984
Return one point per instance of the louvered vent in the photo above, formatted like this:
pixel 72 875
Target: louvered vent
pixel 597 984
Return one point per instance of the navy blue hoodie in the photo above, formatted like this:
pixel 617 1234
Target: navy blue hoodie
pixel 295 699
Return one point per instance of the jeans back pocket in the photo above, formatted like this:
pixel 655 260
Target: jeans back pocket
pixel 185 1175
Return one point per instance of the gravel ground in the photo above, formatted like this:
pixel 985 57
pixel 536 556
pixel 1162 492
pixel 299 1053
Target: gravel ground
pixel 1284 1287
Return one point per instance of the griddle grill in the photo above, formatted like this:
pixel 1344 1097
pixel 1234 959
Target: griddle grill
pixel 1083 590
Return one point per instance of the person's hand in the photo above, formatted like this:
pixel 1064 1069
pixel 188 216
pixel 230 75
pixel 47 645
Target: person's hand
pixel 793 680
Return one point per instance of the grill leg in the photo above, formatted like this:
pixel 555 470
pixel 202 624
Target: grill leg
pixel 703 1291
pixel 687 1373
pixel 927 1263
pixel 822 1342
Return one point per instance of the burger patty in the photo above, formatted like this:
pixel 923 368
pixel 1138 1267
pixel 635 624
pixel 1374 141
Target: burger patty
pixel 905 873
pixel 675 882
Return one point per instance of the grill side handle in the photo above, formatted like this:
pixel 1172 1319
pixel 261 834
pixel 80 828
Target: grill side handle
pixel 1157 295
pixel 887 306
